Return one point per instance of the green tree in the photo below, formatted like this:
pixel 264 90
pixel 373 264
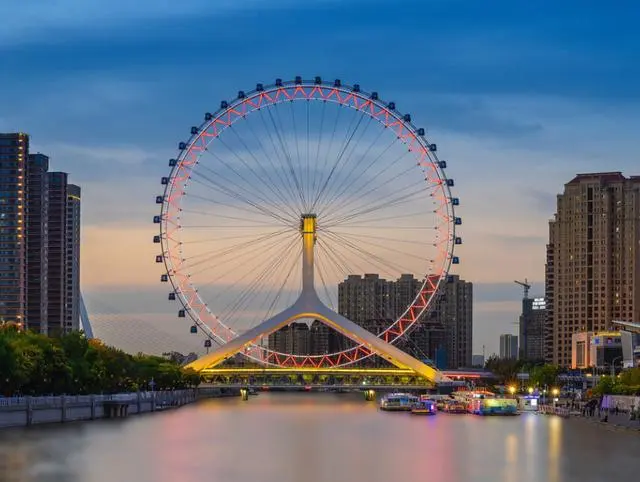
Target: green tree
pixel 545 375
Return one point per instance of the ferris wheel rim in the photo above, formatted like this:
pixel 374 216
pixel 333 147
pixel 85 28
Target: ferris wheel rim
pixel 280 92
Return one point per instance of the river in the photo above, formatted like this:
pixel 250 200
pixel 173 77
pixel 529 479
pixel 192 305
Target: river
pixel 302 437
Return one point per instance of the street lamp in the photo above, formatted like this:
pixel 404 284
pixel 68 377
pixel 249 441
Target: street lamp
pixel 512 390
pixel 613 366
pixel 530 390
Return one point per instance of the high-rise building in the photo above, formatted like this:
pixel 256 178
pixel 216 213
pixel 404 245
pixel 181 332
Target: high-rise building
pixel 319 334
pixel 454 311
pixel 532 324
pixel 72 262
pixel 593 267
pixel 57 216
pixel 444 334
pixel 37 243
pixel 14 149
pixel 364 298
pixel 508 346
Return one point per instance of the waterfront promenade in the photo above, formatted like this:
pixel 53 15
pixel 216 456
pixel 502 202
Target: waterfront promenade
pixel 26 411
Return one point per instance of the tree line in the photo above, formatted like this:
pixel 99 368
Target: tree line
pixel 35 364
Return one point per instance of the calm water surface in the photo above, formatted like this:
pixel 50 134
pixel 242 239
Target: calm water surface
pixel 317 438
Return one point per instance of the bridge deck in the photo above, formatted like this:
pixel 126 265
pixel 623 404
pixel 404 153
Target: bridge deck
pixel 255 371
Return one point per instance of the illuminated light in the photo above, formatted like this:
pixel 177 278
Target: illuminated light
pixel 530 390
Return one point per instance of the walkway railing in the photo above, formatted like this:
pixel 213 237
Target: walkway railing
pixel 554 410
pixel 58 400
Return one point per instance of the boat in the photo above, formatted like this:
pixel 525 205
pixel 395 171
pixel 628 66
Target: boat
pixel 455 406
pixel 424 407
pixel 398 402
pixel 494 406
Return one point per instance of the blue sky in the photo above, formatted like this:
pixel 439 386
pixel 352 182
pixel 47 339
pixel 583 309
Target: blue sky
pixel 518 96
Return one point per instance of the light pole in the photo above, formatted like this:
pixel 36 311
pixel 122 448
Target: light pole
pixel 613 366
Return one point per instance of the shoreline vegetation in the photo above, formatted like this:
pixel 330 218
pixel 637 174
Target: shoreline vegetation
pixel 32 364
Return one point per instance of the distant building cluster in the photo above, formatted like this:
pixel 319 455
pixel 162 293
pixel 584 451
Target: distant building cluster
pixel 39 241
pixel 443 336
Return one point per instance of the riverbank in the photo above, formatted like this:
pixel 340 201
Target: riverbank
pixel 615 422
pixel 27 411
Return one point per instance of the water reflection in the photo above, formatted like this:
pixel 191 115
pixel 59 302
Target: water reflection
pixel 316 438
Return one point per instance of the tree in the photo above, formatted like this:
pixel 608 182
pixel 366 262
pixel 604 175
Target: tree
pixel 506 369
pixel 545 375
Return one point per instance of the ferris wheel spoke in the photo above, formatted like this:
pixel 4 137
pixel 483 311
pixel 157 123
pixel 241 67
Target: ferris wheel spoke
pixel 273 301
pixel 248 188
pixel 265 174
pixel 282 158
pixel 347 180
pixel 420 243
pixel 350 133
pixel 287 195
pixel 363 219
pixel 355 203
pixel 251 289
pixel 285 150
pixel 224 216
pixel 345 156
pixel 308 130
pixel 257 208
pixel 359 239
pixel 209 240
pixel 247 191
pixel 319 173
pixel 300 175
pixel 405 198
pixel 366 254
pixel 368 186
pixel 215 253
pixel 321 270
pixel 206 264
pixel 243 261
pixel 317 156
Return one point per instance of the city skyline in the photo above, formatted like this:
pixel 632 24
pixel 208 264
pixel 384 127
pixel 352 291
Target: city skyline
pixel 100 119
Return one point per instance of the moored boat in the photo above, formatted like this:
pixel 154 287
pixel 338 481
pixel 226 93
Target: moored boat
pixel 455 406
pixel 424 407
pixel 398 402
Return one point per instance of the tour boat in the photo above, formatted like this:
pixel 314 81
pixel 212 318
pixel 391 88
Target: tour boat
pixel 398 402
pixel 424 407
pixel 455 406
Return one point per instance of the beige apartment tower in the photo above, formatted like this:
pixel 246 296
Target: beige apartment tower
pixel 593 269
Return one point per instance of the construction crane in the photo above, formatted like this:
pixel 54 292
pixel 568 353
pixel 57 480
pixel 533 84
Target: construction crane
pixel 525 286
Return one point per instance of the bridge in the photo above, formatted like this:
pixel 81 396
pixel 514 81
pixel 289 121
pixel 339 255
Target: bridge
pixel 309 305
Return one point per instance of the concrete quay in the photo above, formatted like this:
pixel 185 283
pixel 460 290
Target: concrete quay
pixel 27 411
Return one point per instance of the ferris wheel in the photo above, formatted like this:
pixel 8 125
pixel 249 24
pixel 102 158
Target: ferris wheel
pixel 286 191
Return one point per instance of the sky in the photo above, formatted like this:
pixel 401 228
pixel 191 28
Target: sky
pixel 518 96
